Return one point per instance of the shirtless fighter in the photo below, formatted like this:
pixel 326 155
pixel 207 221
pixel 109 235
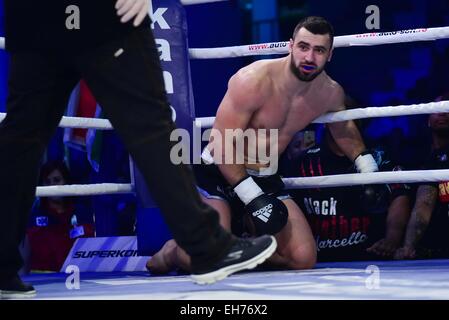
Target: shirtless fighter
pixel 285 94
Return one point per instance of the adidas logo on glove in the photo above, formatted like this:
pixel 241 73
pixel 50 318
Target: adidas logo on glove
pixel 268 214
pixel 264 213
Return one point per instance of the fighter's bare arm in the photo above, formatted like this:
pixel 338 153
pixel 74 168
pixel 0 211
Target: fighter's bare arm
pixel 426 198
pixel 245 95
pixel 345 133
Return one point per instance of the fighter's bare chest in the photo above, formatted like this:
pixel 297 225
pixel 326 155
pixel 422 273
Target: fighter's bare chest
pixel 286 115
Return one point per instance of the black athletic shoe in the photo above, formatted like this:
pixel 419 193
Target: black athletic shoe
pixel 244 254
pixel 15 288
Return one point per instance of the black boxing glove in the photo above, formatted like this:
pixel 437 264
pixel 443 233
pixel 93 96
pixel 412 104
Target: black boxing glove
pixel 268 214
pixel 375 198
pixel 270 184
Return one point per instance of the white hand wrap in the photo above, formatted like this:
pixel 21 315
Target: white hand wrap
pixel 248 190
pixel 365 163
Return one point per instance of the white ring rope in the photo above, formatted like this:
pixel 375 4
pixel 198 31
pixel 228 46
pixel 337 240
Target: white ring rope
pixel 389 111
pixel 207 122
pixel 360 113
pixel 367 178
pixel 364 39
pixel 79 122
pixel 322 181
pixel 84 189
pixel 290 183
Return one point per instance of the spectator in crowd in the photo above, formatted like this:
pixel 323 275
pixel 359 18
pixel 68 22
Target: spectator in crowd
pixel 427 233
pixel 56 222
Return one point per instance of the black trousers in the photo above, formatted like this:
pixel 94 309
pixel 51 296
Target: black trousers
pixel 130 89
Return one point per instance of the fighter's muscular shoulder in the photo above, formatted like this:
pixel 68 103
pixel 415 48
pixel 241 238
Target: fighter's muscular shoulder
pixel 250 86
pixel 335 95
pixel 246 93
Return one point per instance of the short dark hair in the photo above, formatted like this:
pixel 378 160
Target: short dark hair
pixel 315 25
pixel 52 165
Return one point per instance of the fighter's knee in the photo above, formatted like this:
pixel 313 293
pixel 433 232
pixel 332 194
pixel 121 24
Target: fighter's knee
pixel 162 261
pixel 168 250
pixel 304 258
pixel 170 245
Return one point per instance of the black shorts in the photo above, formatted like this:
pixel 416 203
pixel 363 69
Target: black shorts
pixel 212 185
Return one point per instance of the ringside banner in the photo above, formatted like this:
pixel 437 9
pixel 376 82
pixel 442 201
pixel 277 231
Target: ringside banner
pixel 105 254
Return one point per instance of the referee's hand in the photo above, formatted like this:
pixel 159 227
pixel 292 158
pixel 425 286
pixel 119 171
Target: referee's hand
pixel 132 9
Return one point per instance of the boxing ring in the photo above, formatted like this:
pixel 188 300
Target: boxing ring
pixel 367 280
pixel 416 279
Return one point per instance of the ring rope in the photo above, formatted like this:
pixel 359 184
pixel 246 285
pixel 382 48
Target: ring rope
pixel 364 39
pixel 207 122
pixel 340 180
pixel 79 122
pixel 370 112
pixel 310 182
pixel 322 181
pixel 84 189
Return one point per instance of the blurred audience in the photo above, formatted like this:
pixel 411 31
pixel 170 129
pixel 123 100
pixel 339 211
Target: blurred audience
pixel 56 222
pixel 427 233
